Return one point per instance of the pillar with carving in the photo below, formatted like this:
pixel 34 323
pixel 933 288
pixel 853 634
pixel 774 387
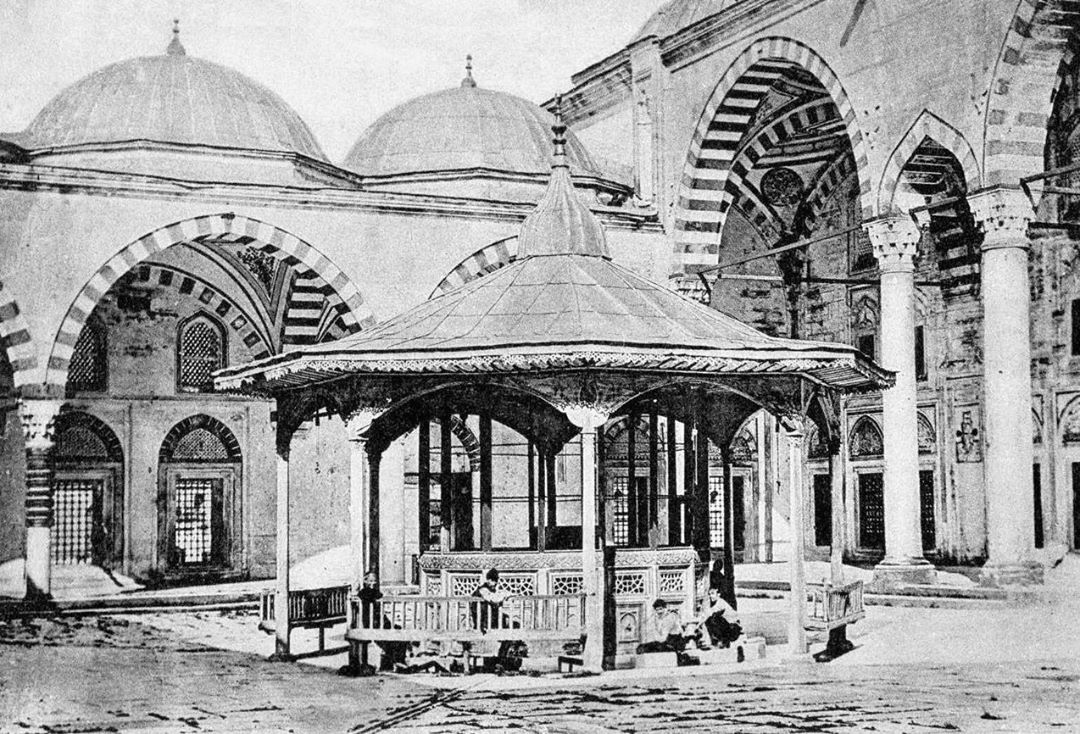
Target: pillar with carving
pixel 895 241
pixel 795 432
pixel 38 419
pixel 1003 215
pixel 591 419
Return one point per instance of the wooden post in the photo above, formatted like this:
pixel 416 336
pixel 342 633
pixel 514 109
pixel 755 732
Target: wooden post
pixel 700 503
pixel 533 533
pixel 686 516
pixel 374 560
pixel 797 618
pixel 423 479
pixel 728 590
pixel 485 482
pixel 672 482
pixel 552 491
pixel 633 505
pixel 654 481
pixel 281 596
pixel 446 468
pixel 541 515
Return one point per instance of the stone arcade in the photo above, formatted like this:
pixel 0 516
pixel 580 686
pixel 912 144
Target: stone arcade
pixel 897 177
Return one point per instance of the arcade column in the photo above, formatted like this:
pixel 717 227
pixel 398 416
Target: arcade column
pixel 1003 215
pixel 895 241
pixel 38 419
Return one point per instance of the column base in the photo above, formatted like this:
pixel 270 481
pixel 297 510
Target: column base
pixel 282 657
pixel 891 574
pixel 1021 573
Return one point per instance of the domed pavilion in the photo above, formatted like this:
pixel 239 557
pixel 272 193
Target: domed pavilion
pixel 556 345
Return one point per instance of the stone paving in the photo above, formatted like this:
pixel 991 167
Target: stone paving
pixel 157 673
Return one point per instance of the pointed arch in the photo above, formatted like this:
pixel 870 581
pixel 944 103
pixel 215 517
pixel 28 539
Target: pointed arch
pixel 342 295
pixel 865 440
pixel 485 260
pixel 710 174
pixel 1021 91
pixel 16 340
pixel 926 125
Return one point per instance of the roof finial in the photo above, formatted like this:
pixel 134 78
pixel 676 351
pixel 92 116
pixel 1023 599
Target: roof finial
pixel 468 81
pixel 559 128
pixel 175 48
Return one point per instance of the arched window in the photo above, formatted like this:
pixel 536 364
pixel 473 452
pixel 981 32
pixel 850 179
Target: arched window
pixel 866 439
pixel 87 493
pixel 200 349
pixel 200 464
pixel 88 369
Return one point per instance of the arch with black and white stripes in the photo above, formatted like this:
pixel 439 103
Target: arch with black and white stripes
pixel 333 286
pixel 712 175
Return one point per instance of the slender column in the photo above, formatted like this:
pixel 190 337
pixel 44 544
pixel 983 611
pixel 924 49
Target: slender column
pixel 423 483
pixel 446 495
pixel 728 590
pixel 541 492
pixel 700 503
pixel 359 487
pixel 895 241
pixel 836 481
pixel 654 481
pixel 282 623
pixel 552 491
pixel 38 419
pixel 797 613
pixel 531 455
pixel 672 481
pixel 633 502
pixel 485 483
pixel 686 515
pixel 589 419
pixel 1003 215
pixel 373 527
pixel 770 456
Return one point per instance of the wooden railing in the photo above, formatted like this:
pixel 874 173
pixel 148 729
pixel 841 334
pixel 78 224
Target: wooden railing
pixel 419 618
pixel 834 606
pixel 308 607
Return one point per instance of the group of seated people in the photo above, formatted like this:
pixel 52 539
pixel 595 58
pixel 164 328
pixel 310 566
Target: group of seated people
pixel 665 631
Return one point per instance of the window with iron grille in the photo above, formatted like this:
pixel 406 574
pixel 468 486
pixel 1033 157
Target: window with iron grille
pixel 619 489
pixel 73 520
pixel 201 350
pixel 198 520
pixel 716 512
pixel 88 369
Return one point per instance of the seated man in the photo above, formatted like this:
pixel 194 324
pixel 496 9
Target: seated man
pixel 369 593
pixel 664 631
pixel 721 621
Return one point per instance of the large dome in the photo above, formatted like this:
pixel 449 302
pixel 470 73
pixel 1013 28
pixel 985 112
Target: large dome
pixel 460 129
pixel 172 98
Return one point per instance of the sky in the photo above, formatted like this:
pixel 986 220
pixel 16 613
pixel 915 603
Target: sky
pixel 338 63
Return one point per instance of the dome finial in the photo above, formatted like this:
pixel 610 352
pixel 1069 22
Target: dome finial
pixel 468 81
pixel 175 48
pixel 559 128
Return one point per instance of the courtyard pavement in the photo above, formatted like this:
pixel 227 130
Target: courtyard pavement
pixel 915 670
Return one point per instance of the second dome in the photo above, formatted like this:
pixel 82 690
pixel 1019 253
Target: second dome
pixel 474 134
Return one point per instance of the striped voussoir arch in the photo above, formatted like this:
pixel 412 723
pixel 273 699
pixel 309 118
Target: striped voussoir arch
pixel 712 175
pixel 15 339
pixel 1026 75
pixel 228 228
pixel 186 284
pixel 828 181
pixel 483 261
pixel 926 125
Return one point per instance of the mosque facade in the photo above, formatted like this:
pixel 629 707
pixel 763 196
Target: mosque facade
pixel 817 169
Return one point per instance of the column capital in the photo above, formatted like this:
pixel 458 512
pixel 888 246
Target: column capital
pixel 38 418
pixel 895 241
pixel 358 423
pixel 586 416
pixel 1002 214
pixel 794 425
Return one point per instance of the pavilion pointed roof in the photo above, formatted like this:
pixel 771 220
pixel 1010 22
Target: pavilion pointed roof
pixel 562 304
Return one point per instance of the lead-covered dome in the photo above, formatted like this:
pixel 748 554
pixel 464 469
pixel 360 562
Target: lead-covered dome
pixel 463 128
pixel 173 98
